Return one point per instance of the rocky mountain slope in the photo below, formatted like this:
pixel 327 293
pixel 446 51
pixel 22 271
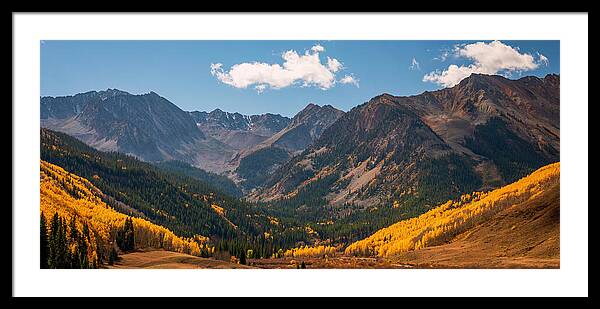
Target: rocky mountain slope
pixel 239 131
pixel 256 163
pixel 485 132
pixel 146 126
pixel 306 127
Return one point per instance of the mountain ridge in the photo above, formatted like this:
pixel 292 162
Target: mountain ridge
pixel 146 126
pixel 237 130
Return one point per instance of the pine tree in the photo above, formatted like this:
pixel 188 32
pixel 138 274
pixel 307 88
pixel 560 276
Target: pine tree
pixel 63 245
pixel 53 259
pixel 44 249
pixel 112 256
pixel 74 239
pixel 83 247
pixel 129 234
pixel 120 238
pixel 125 236
pixel 242 257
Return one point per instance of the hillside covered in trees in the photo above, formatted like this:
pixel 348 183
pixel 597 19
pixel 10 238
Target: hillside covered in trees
pixel 97 205
pixel 178 202
pixel 174 199
pixel 79 230
pixel 533 197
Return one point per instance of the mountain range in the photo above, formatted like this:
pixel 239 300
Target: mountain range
pixel 153 129
pixel 485 132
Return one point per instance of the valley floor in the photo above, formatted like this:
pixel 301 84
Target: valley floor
pixel 161 259
pixel 328 263
pixel 436 257
pixel 446 256
pixel 525 235
pixel 168 260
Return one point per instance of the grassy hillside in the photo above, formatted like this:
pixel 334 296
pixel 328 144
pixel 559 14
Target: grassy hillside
pixel 443 223
pixel 160 259
pixel 525 235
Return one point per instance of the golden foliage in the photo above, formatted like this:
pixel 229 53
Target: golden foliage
pixel 273 220
pixel 306 251
pixel 442 223
pixel 72 196
pixel 218 209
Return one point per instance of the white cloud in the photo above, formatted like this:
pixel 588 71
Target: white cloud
pixel 488 58
pixel 414 65
pixel 349 79
pixel 260 88
pixel 215 68
pixel 317 48
pixel 306 69
pixel 543 59
pixel 334 65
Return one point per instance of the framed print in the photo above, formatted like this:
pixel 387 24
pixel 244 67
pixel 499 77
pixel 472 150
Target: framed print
pixel 262 153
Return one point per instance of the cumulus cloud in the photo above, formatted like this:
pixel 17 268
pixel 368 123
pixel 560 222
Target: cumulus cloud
pixel 487 58
pixel 304 69
pixel 349 79
pixel 414 65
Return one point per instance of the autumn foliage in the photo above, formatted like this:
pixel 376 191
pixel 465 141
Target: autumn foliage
pixel 311 251
pixel 71 196
pixel 444 222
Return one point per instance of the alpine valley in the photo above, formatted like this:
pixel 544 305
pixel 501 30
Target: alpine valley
pixel 466 176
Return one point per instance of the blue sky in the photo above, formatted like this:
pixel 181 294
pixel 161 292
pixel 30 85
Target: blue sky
pixel 181 70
